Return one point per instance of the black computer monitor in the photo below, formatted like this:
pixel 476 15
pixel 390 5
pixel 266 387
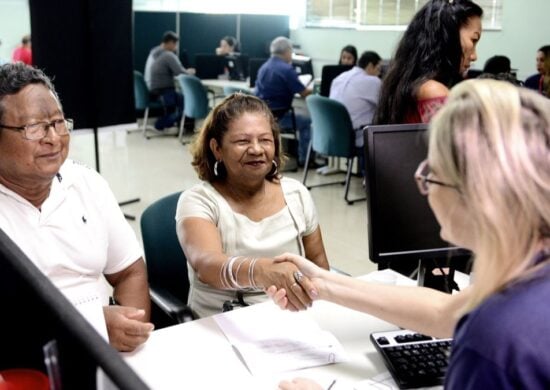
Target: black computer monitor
pixel 236 66
pixel 254 65
pixel 303 65
pixel 34 312
pixel 329 73
pixel 184 58
pixel 402 228
pixel 209 66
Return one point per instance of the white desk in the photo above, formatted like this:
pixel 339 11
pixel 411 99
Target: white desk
pixel 197 355
pixel 219 84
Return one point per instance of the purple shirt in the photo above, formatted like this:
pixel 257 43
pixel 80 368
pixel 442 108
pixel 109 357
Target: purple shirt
pixel 505 342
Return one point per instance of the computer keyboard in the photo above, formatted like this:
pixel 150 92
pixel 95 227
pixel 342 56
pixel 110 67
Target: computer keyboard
pixel 413 359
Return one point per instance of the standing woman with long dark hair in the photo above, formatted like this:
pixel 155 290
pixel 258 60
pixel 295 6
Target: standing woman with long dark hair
pixel 435 51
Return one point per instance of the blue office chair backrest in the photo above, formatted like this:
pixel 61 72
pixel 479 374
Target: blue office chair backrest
pixel 141 92
pixel 332 132
pixel 166 262
pixel 195 99
pixel 231 89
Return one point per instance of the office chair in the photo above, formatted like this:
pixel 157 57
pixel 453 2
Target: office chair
pixel 195 100
pixel 332 135
pixel 166 263
pixel 143 103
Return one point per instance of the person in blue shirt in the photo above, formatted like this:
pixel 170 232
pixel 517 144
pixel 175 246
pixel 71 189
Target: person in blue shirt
pixel 277 83
pixel 487 179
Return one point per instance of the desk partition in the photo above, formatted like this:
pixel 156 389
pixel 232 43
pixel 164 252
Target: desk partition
pixel 201 33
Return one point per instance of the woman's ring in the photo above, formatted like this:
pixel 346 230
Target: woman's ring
pixel 298 276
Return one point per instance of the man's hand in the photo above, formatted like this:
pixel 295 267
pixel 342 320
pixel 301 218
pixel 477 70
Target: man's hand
pixel 126 328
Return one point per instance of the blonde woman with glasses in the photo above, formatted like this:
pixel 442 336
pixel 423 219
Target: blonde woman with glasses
pixel 487 179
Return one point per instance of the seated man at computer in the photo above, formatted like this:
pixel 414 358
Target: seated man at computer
pixel 62 215
pixel 358 89
pixel 160 69
pixel 276 84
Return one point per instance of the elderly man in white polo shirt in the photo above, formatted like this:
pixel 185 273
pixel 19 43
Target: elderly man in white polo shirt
pixel 63 215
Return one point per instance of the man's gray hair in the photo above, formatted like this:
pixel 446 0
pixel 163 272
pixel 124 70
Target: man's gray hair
pixel 280 45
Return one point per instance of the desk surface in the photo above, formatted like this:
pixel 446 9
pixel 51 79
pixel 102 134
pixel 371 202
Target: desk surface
pixel 198 354
pixel 219 83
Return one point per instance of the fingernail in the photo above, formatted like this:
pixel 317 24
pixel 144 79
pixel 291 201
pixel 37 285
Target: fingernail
pixel 313 293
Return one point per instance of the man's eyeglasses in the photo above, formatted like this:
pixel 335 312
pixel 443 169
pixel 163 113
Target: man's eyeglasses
pixel 422 180
pixel 38 130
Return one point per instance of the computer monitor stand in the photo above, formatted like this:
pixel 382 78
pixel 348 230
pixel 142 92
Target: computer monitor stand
pixel 436 274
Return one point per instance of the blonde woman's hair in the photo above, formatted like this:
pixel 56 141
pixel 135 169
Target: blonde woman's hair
pixel 492 140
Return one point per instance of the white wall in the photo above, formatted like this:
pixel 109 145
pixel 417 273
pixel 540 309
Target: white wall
pixel 14 24
pixel 525 28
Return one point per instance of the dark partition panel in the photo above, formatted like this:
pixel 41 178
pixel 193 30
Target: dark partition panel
pixel 89 57
pixel 148 30
pixel 201 33
pixel 257 32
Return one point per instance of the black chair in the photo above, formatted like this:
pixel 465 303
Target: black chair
pixel 166 263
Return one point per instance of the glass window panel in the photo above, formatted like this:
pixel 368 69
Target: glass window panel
pixel 334 13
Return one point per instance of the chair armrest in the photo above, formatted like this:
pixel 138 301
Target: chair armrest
pixel 172 306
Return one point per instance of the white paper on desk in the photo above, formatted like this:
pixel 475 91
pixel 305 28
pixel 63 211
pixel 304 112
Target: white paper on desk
pixel 305 79
pixel 271 340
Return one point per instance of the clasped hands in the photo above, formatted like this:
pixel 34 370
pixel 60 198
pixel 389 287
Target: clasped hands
pixel 299 292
